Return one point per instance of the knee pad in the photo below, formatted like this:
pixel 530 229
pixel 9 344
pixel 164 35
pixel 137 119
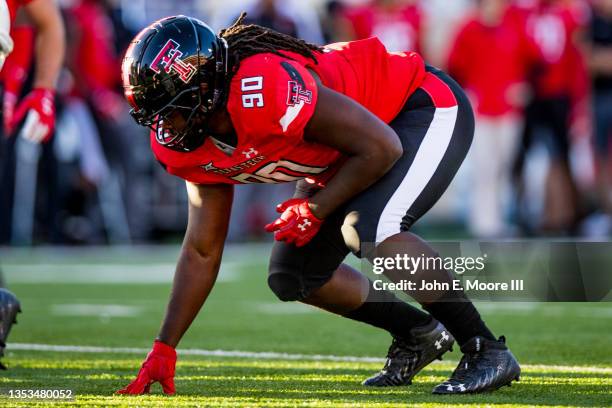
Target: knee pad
pixel 286 286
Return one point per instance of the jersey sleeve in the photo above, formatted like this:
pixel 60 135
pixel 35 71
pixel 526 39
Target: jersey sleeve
pixel 272 96
pixel 187 166
pixel 197 176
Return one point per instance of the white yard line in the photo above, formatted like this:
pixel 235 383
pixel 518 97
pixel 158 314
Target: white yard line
pixel 270 355
pixel 96 310
pixel 283 308
pixel 110 273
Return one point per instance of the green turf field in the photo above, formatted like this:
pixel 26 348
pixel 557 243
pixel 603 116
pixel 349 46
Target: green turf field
pixel 114 300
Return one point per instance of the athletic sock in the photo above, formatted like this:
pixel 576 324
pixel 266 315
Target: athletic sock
pixel 460 318
pixel 384 310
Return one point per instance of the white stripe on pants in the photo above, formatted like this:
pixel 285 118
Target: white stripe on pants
pixel 427 159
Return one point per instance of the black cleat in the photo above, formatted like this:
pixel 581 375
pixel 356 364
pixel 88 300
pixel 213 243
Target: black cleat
pixel 407 356
pixel 486 365
pixel 9 307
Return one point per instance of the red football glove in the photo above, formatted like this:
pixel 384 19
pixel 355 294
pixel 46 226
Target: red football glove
pixel 297 224
pixel 158 366
pixel 39 106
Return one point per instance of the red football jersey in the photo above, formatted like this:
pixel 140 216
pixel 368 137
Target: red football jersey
pixel 552 27
pixel 272 98
pixel 94 52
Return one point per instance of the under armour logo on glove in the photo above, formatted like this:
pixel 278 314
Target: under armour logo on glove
pixel 159 366
pixel 39 123
pixel 304 225
pixel 297 224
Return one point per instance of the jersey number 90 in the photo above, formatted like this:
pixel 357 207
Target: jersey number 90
pixel 253 98
pixel 281 171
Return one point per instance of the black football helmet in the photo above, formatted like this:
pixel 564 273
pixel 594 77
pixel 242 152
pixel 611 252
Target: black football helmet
pixel 175 65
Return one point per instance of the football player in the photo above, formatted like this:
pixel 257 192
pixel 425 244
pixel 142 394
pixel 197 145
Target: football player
pixel 9 305
pixel 372 138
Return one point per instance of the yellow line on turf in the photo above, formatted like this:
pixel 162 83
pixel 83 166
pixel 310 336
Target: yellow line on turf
pixel 270 355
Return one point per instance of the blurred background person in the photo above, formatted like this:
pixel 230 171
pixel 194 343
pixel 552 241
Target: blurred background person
pixel 397 23
pixel 442 20
pixel 95 131
pixel 336 28
pixel 600 64
pixel 490 58
pixel 28 109
pixel 266 13
pixel 286 16
pixel 560 89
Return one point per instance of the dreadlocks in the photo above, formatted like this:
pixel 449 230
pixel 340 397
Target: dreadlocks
pixel 246 40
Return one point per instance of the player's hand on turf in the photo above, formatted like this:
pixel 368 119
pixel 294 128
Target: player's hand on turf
pixel 159 366
pixel 297 224
pixel 38 109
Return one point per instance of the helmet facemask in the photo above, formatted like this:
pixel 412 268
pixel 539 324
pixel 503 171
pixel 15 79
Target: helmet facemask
pixel 188 106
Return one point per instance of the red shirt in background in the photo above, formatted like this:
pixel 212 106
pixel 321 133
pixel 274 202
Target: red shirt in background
pixel 552 25
pixel 490 62
pixel 95 63
pixel 399 27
